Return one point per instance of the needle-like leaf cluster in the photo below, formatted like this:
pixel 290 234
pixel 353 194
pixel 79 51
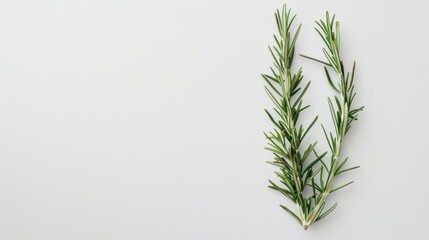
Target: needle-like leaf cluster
pixel 304 177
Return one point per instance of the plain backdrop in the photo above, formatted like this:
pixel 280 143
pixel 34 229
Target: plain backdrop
pixel 144 119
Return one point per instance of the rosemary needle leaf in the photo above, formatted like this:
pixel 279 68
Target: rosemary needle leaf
pixel 323 38
pixel 272 119
pixel 269 77
pixel 281 190
pixel 314 59
pixel 324 26
pixel 322 162
pixel 301 94
pixel 342 164
pixel 330 81
pixel 319 211
pixel 290 22
pixel 307 180
pixel 309 127
pixel 295 38
pixel 271 85
pixel 318 159
pixel 342 186
pixel 327 138
pixel 346 170
pixel 321 216
pixel 353 76
pixel 303 108
pixel 292 214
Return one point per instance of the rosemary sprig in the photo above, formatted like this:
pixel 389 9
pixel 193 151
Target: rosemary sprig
pixel 285 90
pixel 342 112
pixel 306 183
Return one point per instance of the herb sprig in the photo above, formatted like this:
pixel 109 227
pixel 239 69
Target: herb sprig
pixel 342 111
pixel 302 180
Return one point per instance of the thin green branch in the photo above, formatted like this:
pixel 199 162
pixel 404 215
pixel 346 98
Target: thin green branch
pixel 283 85
pixel 341 113
pixel 296 172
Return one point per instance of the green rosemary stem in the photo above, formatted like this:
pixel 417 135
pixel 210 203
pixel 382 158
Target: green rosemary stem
pixel 286 85
pixel 342 115
pixel 293 149
pixel 334 164
pixel 284 89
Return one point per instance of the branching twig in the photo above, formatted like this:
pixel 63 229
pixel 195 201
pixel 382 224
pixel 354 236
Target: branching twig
pixel 284 88
pixel 342 112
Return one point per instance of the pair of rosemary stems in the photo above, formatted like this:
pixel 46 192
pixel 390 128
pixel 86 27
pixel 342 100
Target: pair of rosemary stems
pixel 306 178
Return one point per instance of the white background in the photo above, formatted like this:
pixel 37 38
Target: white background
pixel 144 120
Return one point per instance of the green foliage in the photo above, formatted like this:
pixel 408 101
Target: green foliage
pixel 305 182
